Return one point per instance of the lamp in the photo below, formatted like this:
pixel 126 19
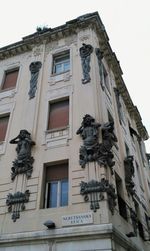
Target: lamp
pixel 131 234
pixel 49 224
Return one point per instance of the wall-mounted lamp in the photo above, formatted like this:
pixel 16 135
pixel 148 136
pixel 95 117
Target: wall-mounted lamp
pixel 49 224
pixel 131 234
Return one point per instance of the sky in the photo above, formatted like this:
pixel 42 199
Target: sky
pixel 127 23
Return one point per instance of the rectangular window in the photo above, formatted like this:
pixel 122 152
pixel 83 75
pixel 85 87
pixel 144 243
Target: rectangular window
pixel 58 114
pixel 61 62
pixel 3 126
pixel 110 117
pixel 141 230
pixel 127 150
pixel 122 208
pixel 10 79
pixel 56 194
pixel 106 79
pixel 121 203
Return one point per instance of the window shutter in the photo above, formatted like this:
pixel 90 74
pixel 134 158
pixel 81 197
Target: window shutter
pixel 57 172
pixel 3 127
pixel 10 79
pixel 58 114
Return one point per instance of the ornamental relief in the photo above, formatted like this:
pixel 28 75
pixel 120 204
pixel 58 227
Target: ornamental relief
pixel 92 150
pixel 24 161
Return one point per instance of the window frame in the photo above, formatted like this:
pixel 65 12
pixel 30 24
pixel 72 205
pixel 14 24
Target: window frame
pixel 7 71
pixel 61 55
pixel 59 182
pixel 4 116
pixel 106 79
pixel 59 193
pixel 48 129
pixel 123 211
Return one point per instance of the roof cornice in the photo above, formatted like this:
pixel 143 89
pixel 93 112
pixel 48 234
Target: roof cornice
pixel 89 20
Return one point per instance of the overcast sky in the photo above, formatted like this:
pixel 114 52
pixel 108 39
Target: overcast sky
pixel 127 24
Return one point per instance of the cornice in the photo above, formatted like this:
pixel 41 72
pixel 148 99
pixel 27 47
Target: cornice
pixel 105 231
pixel 71 27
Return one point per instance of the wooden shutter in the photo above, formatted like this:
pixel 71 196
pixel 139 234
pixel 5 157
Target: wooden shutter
pixel 10 79
pixel 3 127
pixel 57 172
pixel 58 114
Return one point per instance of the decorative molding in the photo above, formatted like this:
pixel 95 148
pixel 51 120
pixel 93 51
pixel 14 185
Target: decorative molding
pixel 93 192
pixel 129 173
pixel 23 162
pixel 71 27
pixel 34 69
pixel 90 134
pixel 15 203
pixel 85 54
pixel 92 150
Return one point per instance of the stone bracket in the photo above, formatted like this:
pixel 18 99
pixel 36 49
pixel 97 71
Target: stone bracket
pixel 15 203
pixel 93 192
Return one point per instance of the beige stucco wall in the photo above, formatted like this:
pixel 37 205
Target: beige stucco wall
pixel 51 147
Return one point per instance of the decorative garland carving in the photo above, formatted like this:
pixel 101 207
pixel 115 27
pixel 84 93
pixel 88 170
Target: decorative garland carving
pixel 99 55
pixel 92 150
pixel 23 162
pixel 93 192
pixel 85 54
pixel 129 173
pixel 34 69
pixel 15 203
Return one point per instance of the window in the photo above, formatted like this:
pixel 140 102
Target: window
pixel 58 114
pixel 106 79
pixel 110 118
pixel 56 194
pixel 141 230
pixel 139 175
pixel 119 106
pixel 3 126
pixel 127 150
pixel 10 79
pixel 61 62
pixel 122 206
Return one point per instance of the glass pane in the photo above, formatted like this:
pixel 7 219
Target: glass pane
pixel 64 193
pixel 66 66
pixel 52 194
pixel 58 68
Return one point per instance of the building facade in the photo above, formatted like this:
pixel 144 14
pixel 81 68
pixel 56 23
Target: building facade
pixel 74 171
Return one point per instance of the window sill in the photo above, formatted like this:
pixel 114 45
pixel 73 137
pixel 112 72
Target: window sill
pixel 2 147
pixel 7 93
pixel 64 76
pixel 57 137
pixel 56 74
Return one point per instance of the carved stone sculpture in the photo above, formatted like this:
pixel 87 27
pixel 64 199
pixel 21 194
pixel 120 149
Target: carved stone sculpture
pixel 108 141
pixel 93 192
pixel 85 53
pixel 23 162
pixel 34 69
pixel 129 173
pixel 99 55
pixel 89 133
pixel 92 150
pixel 15 203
